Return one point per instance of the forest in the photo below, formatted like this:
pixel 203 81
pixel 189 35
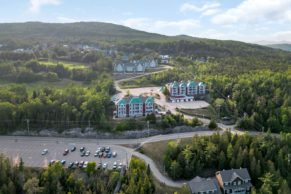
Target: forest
pixel 17 179
pixel 67 107
pixel 266 157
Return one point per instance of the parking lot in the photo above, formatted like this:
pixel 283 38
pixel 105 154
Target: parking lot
pixel 30 152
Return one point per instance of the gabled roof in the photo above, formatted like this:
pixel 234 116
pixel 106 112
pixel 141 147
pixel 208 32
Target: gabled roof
pixel 182 83
pixel 149 99
pixel 199 184
pixel 122 101
pixel 191 83
pixel 136 100
pixel 230 175
pixel 174 84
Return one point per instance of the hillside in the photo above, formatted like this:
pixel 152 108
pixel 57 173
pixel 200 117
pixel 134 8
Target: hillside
pixel 131 40
pixel 285 47
pixel 87 31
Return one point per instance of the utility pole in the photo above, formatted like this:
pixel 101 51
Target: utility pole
pixel 27 124
pixel 148 123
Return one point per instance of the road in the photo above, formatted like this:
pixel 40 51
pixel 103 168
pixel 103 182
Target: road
pixel 29 149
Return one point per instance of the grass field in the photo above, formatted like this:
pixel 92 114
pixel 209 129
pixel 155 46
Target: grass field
pixel 42 84
pixel 69 65
pixel 208 112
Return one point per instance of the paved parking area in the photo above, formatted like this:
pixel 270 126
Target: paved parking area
pixel 30 152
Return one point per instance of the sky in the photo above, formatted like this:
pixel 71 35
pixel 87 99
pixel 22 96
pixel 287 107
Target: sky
pixel 243 20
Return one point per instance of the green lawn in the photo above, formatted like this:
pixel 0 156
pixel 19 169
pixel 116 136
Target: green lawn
pixel 69 65
pixel 208 112
pixel 42 84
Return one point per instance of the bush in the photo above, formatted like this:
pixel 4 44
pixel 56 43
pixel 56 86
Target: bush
pixel 212 125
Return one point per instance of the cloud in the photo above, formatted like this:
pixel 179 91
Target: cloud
pixel 35 5
pixel 252 11
pixel 62 19
pixel 206 9
pixel 162 26
pixel 283 36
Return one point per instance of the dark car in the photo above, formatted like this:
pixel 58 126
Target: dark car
pixel 65 152
pixel 82 149
pixel 73 148
pixel 81 164
pixel 82 154
pixel 70 165
pixel 109 155
pixel 99 166
pixel 107 149
pixel 102 149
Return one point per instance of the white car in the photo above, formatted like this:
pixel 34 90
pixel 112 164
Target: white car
pixel 87 153
pixel 105 165
pixel 85 164
pixel 114 154
pixel 44 152
pixel 114 165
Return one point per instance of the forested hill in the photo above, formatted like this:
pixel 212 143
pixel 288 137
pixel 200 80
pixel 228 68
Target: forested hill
pixel 132 40
pixel 285 47
pixel 92 31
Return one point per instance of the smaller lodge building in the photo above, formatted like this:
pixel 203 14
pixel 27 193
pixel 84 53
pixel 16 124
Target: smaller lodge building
pixel 186 91
pixel 134 106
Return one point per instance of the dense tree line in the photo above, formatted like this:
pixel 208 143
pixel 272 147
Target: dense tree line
pixel 266 157
pixel 137 179
pixel 17 179
pixel 261 99
pixel 68 107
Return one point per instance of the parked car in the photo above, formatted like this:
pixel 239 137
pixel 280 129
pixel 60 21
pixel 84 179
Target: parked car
pixel 82 154
pixel 104 165
pixel 44 152
pixel 102 149
pixel 65 152
pixel 87 153
pixel 109 155
pixel 63 162
pixel 104 155
pixel 71 164
pixel 107 149
pixel 52 161
pixel 120 165
pixel 76 163
pixel 85 164
pixel 114 165
pixel 96 154
pixel 73 148
pixel 114 154
pixel 82 149
pixel 81 164
pixel 99 165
